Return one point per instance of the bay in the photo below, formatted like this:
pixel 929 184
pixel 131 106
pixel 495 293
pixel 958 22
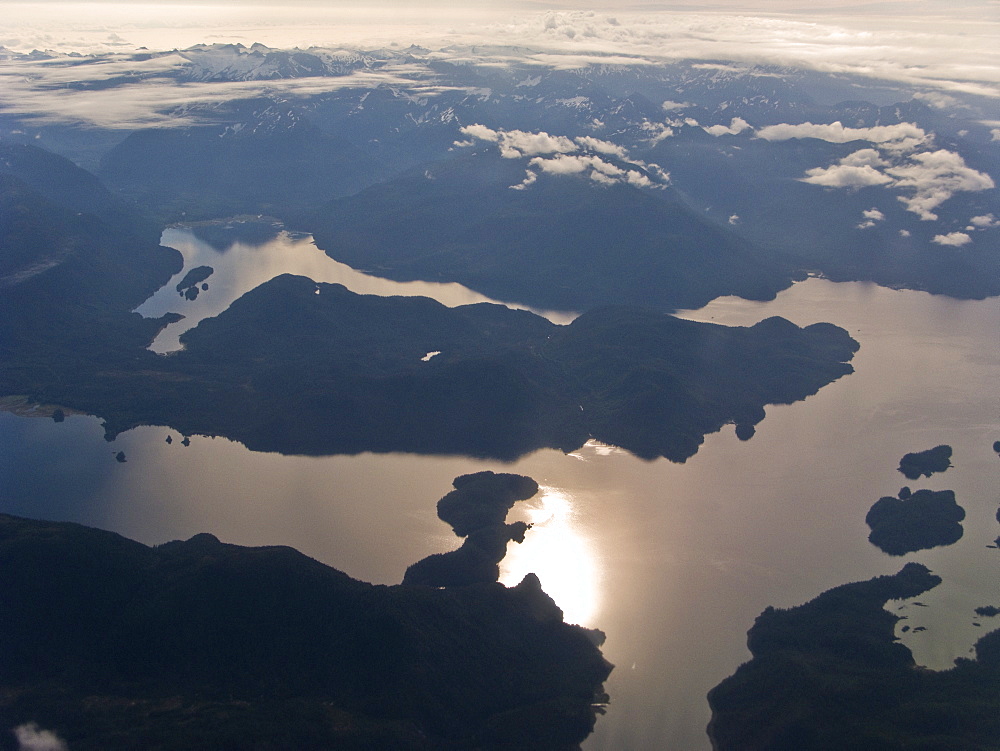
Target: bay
pixel 672 561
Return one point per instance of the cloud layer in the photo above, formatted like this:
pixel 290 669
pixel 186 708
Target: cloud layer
pixel 939 48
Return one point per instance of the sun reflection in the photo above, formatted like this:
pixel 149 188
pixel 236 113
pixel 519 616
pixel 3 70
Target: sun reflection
pixel 560 555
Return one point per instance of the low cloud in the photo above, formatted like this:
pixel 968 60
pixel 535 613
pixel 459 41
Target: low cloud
pixel 657 131
pixel 954 239
pixel 160 101
pixel 30 737
pixel 901 137
pixel 986 221
pixel 736 126
pixel 934 177
pixel 846 176
pixel 871 216
pixel 519 143
pixel 928 177
pixel 561 155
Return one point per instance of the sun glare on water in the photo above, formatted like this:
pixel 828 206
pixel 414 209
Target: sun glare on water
pixel 559 553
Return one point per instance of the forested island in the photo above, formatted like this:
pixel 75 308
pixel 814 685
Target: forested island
pixel 199 644
pixel 915 521
pixel 925 463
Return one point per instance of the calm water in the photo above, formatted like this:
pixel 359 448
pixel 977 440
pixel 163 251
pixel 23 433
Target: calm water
pixel 672 561
pixel 244 265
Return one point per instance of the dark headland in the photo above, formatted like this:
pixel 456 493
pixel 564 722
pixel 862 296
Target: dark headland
pixel 829 675
pixel 204 645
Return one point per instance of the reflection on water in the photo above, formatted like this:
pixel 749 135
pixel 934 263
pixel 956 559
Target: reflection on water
pixel 676 559
pixel 241 265
pixel 558 551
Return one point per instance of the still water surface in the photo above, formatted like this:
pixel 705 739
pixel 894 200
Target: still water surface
pixel 672 561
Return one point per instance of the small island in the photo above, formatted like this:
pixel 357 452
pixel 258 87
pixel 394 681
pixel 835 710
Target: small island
pixel 476 510
pixel 830 674
pixel 915 521
pixel 188 287
pixel 925 463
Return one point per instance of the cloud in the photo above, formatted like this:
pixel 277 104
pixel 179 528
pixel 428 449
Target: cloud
pixel 872 217
pixel 954 239
pixel 930 177
pixel 937 99
pixel 934 177
pixel 602 147
pixel 560 155
pixel 519 143
pixel 995 134
pixel 32 738
pixel 902 136
pixel 669 105
pixel 736 125
pixel 985 221
pixel 912 48
pixel 657 131
pixel 38 91
pixel 845 176
pixel 863 157
pixel 734 219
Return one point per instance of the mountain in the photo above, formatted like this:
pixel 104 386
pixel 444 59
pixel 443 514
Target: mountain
pixel 564 242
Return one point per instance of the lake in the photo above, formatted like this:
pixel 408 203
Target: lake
pixel 672 561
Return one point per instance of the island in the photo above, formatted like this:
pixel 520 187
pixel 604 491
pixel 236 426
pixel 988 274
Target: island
pixel 925 463
pixel 830 674
pixel 188 287
pixel 201 645
pixel 915 521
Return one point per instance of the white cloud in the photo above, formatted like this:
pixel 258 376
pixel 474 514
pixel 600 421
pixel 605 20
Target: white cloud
pixel 995 134
pixel 38 91
pixel 602 147
pixel 862 157
pixel 984 222
pixel 872 217
pixel 904 233
pixel 937 99
pixel 559 155
pixel 916 48
pixel 929 177
pixel 657 131
pixel 845 176
pixel 32 738
pixel 519 143
pixel 734 219
pixel 669 105
pixel 954 239
pixel 934 177
pixel 736 125
pixel 902 136
pixel 564 164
